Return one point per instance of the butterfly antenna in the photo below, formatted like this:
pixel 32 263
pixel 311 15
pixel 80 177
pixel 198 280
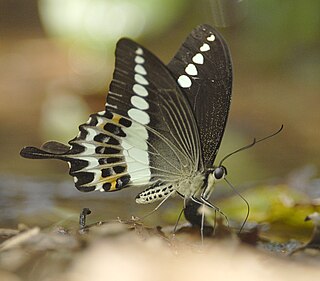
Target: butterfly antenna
pixel 255 141
pixel 238 150
pixel 244 200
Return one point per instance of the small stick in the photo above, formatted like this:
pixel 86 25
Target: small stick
pixel 83 217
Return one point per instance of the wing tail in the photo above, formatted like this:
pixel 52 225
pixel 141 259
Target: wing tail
pixel 49 150
pixel 36 153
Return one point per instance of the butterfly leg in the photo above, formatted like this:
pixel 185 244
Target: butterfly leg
pixel 217 209
pixel 182 211
pixel 177 222
pixel 196 200
pixel 202 224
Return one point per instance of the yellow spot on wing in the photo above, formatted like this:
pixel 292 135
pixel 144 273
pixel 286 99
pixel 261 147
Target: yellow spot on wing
pixel 116 118
pixel 112 180
pixel 113 186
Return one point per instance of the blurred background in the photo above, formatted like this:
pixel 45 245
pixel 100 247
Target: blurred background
pixel 57 59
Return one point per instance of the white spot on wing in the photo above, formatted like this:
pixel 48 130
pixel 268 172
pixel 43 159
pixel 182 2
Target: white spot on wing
pixel 93 162
pixel 125 145
pixel 91 133
pixel 97 175
pixel 140 79
pixel 140 69
pixel 184 81
pixel 135 149
pixel 139 116
pixel 198 58
pixel 139 173
pixel 140 90
pixel 191 69
pixel 100 121
pixel 136 135
pixel 111 105
pixel 139 51
pixel 139 155
pixel 139 102
pixel 205 47
pixel 139 59
pixel 89 149
pixel 211 38
pixel 75 179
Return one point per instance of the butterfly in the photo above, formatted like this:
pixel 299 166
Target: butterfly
pixel 161 127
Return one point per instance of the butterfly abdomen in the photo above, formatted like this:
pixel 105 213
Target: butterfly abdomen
pixel 155 193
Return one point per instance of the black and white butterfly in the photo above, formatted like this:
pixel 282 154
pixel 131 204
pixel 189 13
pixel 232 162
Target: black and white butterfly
pixel 161 127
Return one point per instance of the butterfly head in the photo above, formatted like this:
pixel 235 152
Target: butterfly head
pixel 213 175
pixel 219 173
pixel 216 174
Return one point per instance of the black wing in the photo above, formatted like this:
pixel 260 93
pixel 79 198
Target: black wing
pixel 146 135
pixel 203 69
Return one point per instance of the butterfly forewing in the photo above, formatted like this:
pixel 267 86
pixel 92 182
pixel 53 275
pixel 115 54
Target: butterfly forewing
pixel 202 67
pixel 146 134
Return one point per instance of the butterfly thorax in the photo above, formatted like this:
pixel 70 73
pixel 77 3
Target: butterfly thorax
pixel 190 186
pixel 200 184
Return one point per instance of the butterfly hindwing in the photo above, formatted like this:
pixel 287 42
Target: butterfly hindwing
pixel 202 67
pixel 146 136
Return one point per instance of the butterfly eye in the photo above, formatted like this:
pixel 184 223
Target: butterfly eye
pixel 219 173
